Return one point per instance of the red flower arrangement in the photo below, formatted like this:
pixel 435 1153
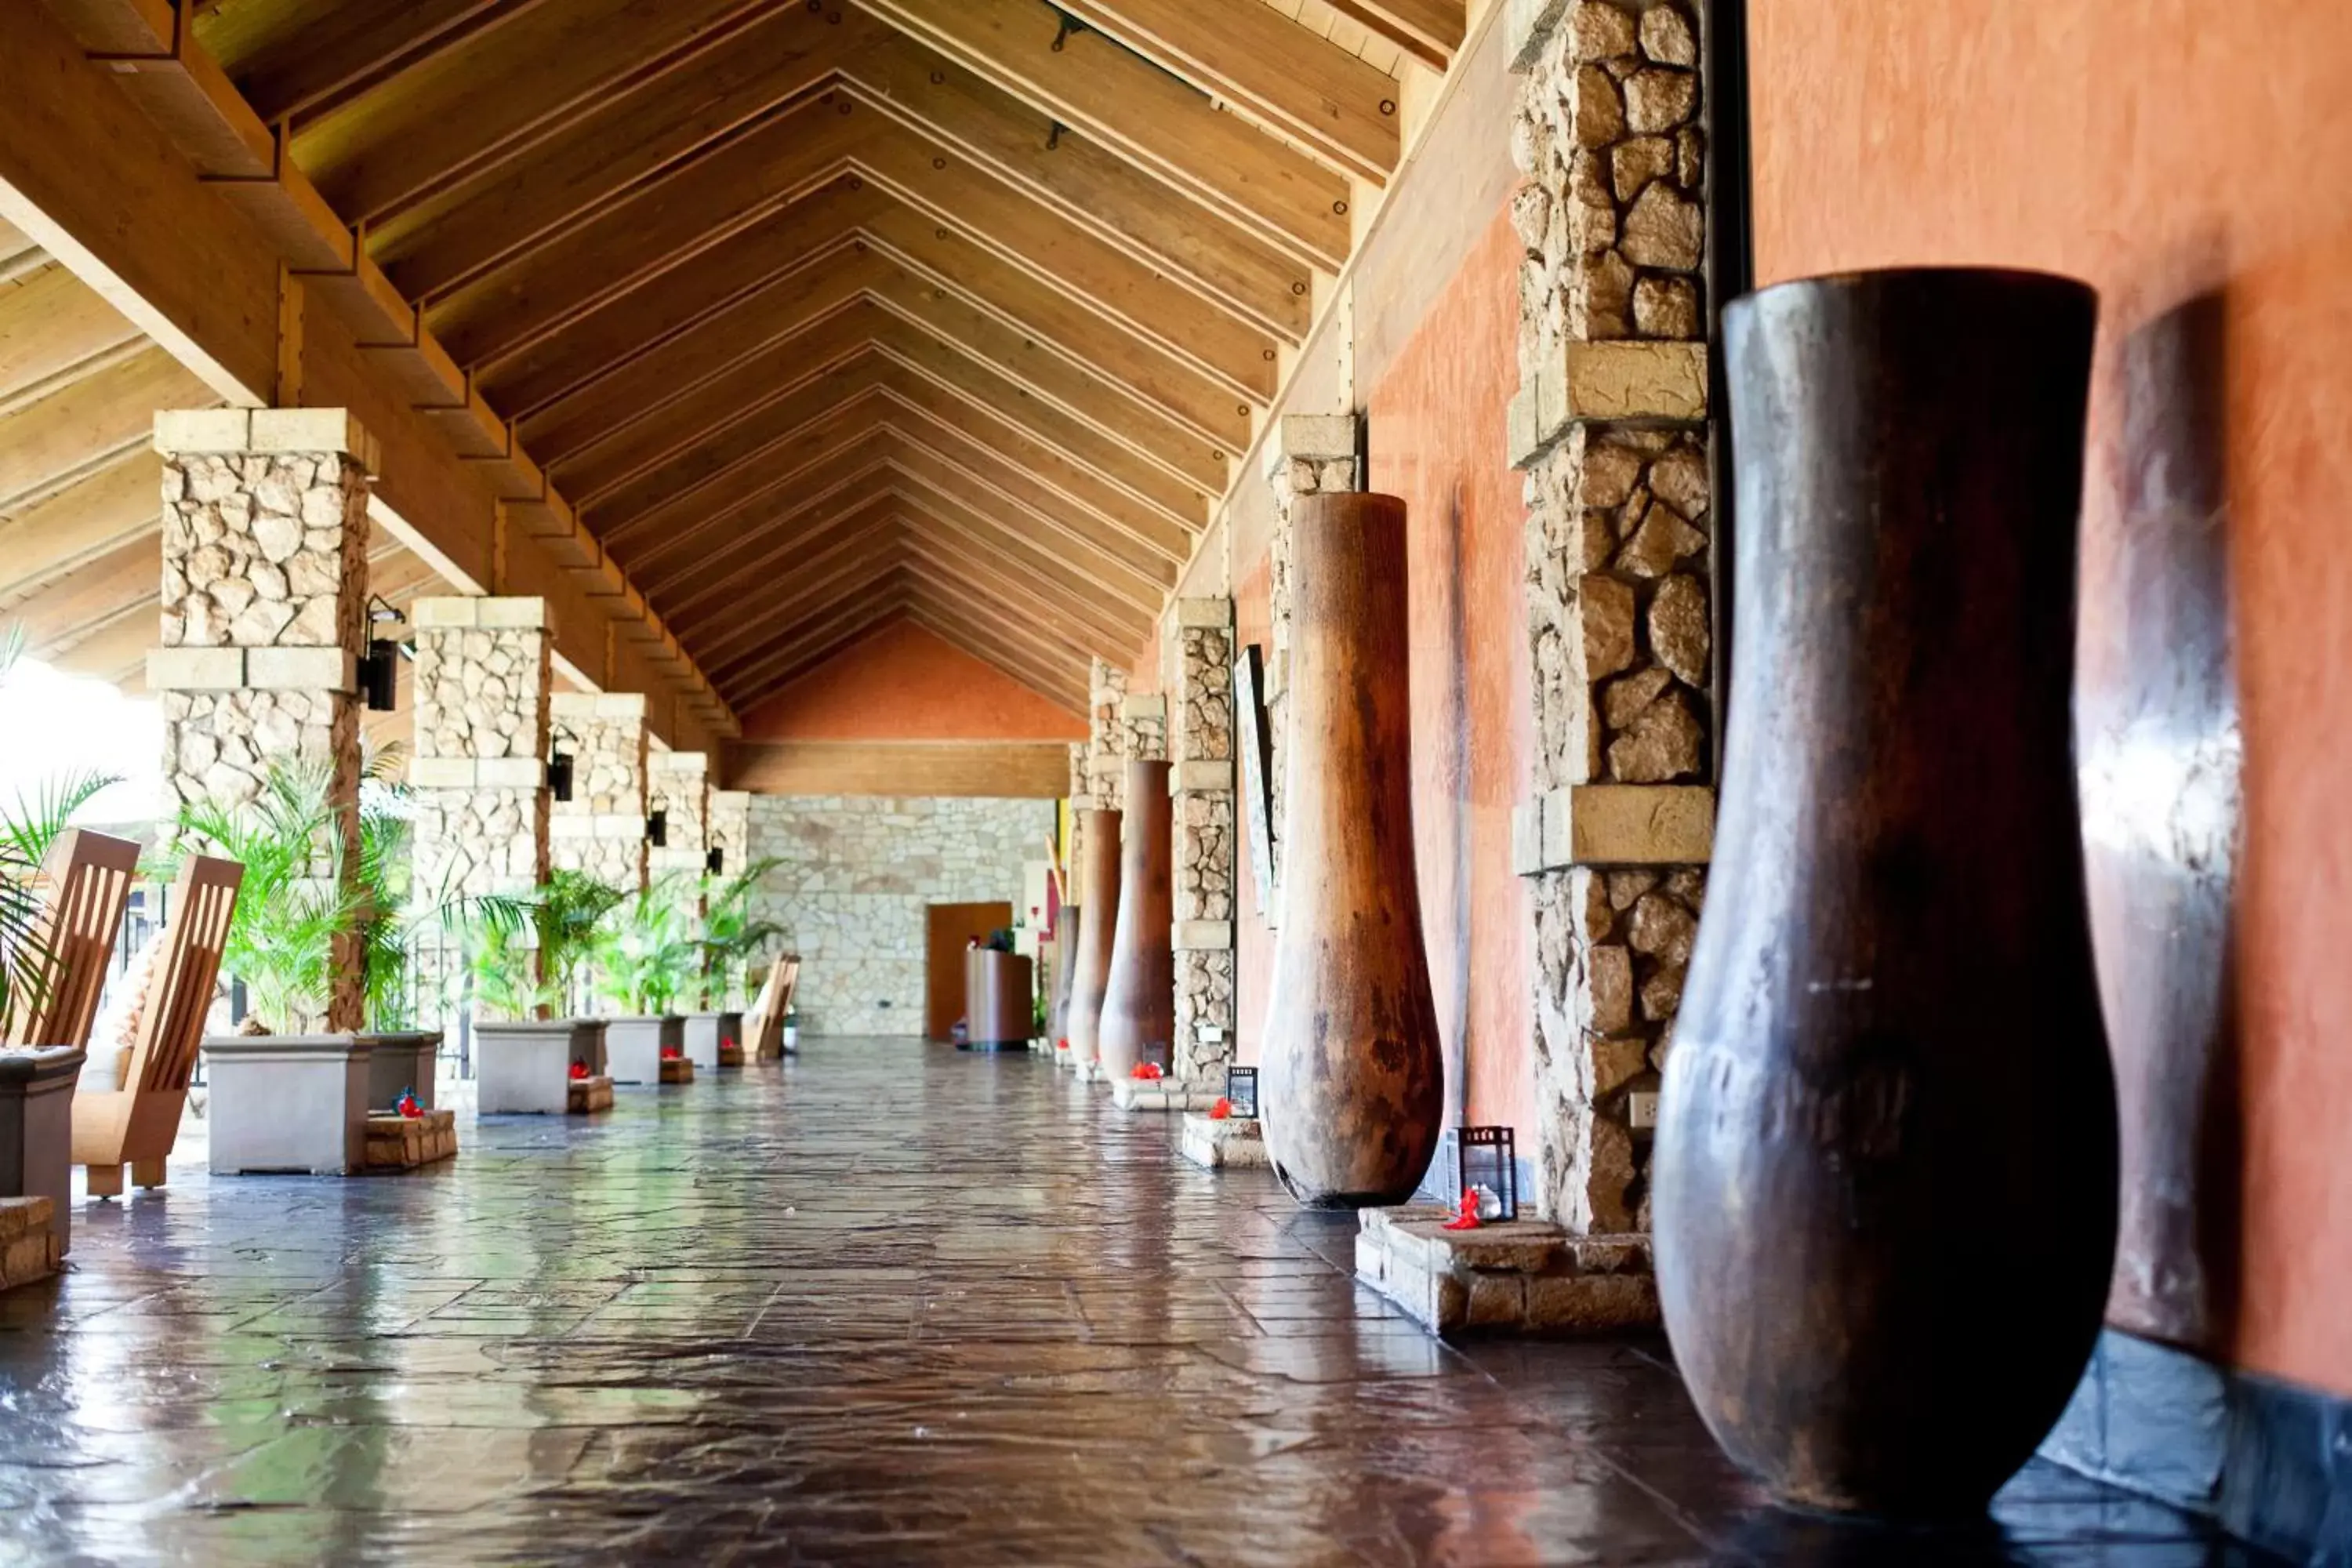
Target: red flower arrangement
pixel 1147 1070
pixel 1063 1044
pixel 406 1105
pixel 579 1071
pixel 1221 1109
pixel 1468 1218
pixel 671 1053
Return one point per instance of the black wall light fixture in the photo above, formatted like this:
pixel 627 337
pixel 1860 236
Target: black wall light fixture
pixel 378 669
pixel 714 862
pixel 657 829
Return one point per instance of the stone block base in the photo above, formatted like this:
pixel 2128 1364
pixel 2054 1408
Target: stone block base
pixel 678 1070
pixel 1161 1094
pixel 398 1142
pixel 29 1242
pixel 589 1094
pixel 1233 1143
pixel 1528 1277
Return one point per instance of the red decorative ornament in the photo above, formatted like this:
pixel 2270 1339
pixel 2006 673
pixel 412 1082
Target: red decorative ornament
pixel 406 1105
pixel 1148 1070
pixel 671 1053
pixel 725 1043
pixel 1468 1218
pixel 1063 1044
pixel 578 1070
pixel 1221 1109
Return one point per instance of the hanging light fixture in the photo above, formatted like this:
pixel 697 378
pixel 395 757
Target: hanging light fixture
pixel 716 861
pixel 559 766
pixel 378 669
pixel 657 829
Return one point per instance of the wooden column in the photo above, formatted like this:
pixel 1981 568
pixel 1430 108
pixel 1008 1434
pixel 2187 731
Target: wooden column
pixel 1353 1084
pixel 1138 1017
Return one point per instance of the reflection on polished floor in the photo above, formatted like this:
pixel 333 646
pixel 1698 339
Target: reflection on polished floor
pixel 888 1304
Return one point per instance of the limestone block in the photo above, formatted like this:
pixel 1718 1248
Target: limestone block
pixel 193 430
pixel 301 668
pixel 1631 381
pixel 195 668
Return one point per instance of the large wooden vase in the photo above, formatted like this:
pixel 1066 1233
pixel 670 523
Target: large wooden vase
pixel 1885 1176
pixel 1352 1084
pixel 1098 879
pixel 1139 1015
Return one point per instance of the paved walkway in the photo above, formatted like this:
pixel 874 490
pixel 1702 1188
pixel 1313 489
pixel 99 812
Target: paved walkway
pixel 886 1304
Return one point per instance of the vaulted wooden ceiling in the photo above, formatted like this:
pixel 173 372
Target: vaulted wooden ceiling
pixel 820 314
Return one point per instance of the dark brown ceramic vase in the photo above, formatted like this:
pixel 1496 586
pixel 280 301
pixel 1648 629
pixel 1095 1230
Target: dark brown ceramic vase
pixel 1099 881
pixel 1139 1014
pixel 1885 1176
pixel 1067 921
pixel 1352 1084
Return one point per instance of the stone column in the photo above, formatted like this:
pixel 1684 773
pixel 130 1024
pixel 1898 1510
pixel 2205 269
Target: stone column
pixel 601 830
pixel 264 618
pixel 1201 719
pixel 479 768
pixel 1610 427
pixel 678 783
pixel 1311 453
pixel 730 829
pixel 1106 740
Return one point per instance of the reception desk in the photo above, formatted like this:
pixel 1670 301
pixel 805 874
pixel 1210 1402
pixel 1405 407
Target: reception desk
pixel 998 1006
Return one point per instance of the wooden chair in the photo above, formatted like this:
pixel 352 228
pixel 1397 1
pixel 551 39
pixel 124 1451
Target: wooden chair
pixel 764 1027
pixel 137 1121
pixel 88 878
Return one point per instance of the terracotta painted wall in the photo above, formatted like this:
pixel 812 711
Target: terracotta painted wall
pixel 2194 162
pixel 1437 438
pixel 905 684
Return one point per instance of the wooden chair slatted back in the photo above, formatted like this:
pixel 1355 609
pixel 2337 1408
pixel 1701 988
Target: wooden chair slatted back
pixel 180 989
pixel 88 878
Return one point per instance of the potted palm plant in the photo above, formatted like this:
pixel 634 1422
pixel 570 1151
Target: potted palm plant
pixel 532 1057
pixel 646 953
pixel 731 933
pixel 284 1095
pixel 402 1057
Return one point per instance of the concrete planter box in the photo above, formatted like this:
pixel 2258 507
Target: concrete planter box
pixel 524 1069
pixel 36 1090
pixel 707 1032
pixel 287 1103
pixel 633 1047
pixel 404 1059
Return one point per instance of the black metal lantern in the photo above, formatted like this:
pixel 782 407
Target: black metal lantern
pixel 1486 1167
pixel 379 674
pixel 1240 1092
pixel 716 861
pixel 657 829
pixel 558 775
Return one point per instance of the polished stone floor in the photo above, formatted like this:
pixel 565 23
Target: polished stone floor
pixel 884 1304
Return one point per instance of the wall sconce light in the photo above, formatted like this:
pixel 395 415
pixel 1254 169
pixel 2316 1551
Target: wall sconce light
pixel 379 674
pixel 657 829
pixel 558 775
pixel 714 862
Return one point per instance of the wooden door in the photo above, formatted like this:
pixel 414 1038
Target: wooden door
pixel 951 929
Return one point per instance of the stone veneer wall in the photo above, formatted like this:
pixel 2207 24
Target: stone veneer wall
pixel 1201 713
pixel 855 877
pixel 730 829
pixel 1610 427
pixel 678 783
pixel 601 830
pixel 264 614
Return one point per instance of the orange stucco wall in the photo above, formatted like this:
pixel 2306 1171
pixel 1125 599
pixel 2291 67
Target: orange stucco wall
pixel 1437 438
pixel 2183 158
pixel 905 684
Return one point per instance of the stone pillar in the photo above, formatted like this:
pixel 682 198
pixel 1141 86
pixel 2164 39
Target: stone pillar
pixel 1106 740
pixel 730 829
pixel 479 767
pixel 264 618
pixel 1311 453
pixel 601 830
pixel 678 783
pixel 1610 427
pixel 1201 713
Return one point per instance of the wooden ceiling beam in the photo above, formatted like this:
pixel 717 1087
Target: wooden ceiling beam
pixel 54 330
pixel 775 681
pixel 776 560
pixel 844 571
pixel 1302 84
pixel 936 476
pixel 1043 610
pixel 1057 676
pixel 108 588
pixel 850 473
pixel 1093 85
pixel 529 79
pixel 1128 206
pixel 291 62
pixel 861 610
pixel 106 510
pixel 934 513
pixel 620 145
pixel 1429 30
pixel 91 423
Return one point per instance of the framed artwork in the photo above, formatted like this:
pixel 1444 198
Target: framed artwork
pixel 1251 740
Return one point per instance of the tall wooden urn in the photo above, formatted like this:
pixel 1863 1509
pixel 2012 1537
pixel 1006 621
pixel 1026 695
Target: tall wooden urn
pixel 1099 876
pixel 1065 964
pixel 1139 1014
pixel 1352 1083
pixel 1885 1178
